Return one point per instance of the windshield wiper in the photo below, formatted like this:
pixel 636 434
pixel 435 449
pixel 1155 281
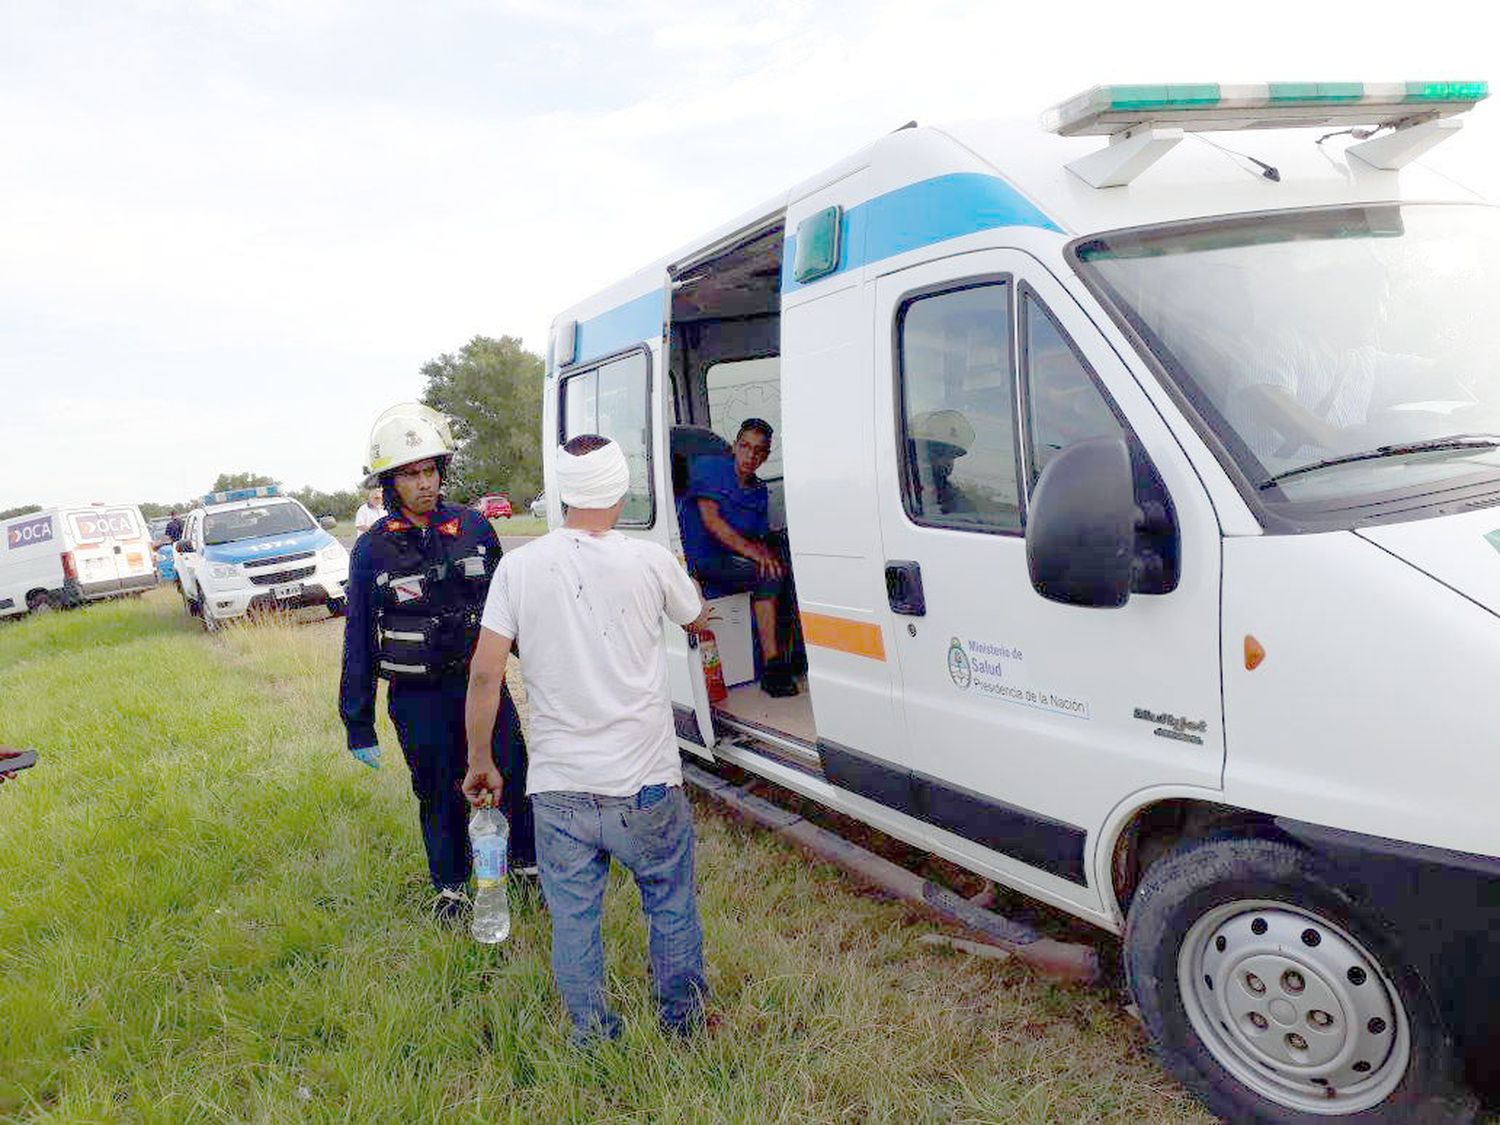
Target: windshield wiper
pixel 1459 442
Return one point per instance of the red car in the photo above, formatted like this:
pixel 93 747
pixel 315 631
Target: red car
pixel 494 506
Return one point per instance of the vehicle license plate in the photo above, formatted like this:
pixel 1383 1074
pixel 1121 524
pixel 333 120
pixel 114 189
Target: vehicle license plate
pixel 287 591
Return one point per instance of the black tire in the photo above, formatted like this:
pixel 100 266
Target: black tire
pixel 40 601
pixel 1198 884
pixel 337 607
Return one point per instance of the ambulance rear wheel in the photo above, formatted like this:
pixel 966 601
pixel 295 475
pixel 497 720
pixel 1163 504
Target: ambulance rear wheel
pixel 1275 997
pixel 40 601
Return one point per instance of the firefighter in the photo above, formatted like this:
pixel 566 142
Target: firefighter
pixel 417 585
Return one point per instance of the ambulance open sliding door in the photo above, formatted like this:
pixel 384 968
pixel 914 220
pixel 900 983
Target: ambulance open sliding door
pixel 628 398
pixel 1030 720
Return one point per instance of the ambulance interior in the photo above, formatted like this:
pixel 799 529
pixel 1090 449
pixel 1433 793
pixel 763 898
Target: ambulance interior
pixel 725 367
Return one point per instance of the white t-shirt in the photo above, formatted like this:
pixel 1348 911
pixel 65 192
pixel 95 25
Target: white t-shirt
pixel 366 517
pixel 586 611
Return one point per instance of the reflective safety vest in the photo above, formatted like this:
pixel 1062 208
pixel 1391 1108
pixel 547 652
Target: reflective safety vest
pixel 427 616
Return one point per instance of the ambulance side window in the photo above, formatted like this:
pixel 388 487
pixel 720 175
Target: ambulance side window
pixel 613 400
pixel 957 410
pixel 1063 403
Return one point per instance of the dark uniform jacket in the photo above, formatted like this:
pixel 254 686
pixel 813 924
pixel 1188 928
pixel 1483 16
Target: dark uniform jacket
pixel 415 598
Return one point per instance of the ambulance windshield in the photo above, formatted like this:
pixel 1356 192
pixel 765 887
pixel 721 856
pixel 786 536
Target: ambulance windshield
pixel 1308 339
pixel 251 523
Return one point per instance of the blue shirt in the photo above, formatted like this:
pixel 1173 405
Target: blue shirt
pixel 746 508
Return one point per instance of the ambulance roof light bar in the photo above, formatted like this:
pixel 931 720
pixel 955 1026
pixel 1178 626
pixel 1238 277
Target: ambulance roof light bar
pixel 1152 118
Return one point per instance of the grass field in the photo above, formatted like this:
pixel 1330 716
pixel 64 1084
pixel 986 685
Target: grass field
pixel 520 525
pixel 210 913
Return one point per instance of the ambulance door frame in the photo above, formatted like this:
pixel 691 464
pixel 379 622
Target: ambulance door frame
pixel 684 657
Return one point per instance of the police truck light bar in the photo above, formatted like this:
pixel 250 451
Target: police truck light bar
pixel 1143 122
pixel 241 494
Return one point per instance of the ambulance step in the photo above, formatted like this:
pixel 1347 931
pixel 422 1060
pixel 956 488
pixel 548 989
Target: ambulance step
pixel 784 749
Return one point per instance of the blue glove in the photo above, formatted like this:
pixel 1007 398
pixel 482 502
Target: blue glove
pixel 369 755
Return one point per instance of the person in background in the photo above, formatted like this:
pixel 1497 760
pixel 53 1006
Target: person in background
pixel 938 439
pixel 173 530
pixel 417 583
pixel 586 603
pixel 369 512
pixel 725 531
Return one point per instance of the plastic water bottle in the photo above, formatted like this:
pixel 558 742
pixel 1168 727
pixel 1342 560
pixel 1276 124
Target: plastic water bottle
pixel 489 836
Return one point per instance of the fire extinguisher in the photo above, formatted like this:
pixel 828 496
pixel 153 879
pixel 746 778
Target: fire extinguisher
pixel 713 670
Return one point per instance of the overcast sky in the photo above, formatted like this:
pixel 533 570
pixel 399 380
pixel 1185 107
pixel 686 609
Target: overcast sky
pixel 232 232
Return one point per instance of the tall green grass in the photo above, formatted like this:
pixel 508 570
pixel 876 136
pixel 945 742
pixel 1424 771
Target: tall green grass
pixel 210 913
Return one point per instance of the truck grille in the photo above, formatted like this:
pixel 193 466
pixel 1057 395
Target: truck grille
pixel 277 560
pixel 283 576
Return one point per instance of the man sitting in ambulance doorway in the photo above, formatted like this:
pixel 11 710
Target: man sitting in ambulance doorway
pixel 726 535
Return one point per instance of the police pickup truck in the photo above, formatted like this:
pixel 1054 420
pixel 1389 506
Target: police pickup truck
pixel 252 549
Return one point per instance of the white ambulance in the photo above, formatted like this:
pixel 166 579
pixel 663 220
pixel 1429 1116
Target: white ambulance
pixel 250 549
pixel 1141 477
pixel 64 557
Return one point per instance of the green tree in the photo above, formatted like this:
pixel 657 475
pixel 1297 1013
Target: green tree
pixel 341 504
pixel 23 510
pixel 152 510
pixel 492 389
pixel 225 481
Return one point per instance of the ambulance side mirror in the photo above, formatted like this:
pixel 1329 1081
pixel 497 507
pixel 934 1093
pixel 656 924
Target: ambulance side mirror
pixel 327 523
pixel 1080 527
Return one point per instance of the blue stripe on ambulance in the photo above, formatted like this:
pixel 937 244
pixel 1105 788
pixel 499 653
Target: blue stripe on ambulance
pixel 621 327
pixel 921 214
pixel 908 218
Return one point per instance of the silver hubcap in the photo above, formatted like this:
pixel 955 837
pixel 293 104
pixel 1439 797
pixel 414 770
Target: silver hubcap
pixel 1293 1007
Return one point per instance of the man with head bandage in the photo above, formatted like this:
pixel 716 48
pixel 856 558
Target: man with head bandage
pixel 605 779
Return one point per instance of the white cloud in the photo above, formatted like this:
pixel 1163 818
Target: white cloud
pixel 320 197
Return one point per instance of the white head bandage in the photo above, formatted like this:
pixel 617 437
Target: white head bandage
pixel 594 480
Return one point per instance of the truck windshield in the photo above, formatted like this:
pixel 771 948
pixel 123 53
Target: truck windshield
pixel 1332 352
pixel 251 523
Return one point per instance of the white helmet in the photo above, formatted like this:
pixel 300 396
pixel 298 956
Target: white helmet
pixel 406 433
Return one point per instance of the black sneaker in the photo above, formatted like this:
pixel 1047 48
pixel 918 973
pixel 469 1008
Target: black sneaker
pixel 452 907
pixel 777 680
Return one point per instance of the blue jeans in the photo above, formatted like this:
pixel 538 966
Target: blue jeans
pixel 651 834
pixel 735 574
pixel 429 721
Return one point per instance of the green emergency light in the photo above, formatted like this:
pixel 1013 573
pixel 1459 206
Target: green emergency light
pixel 1107 110
pixel 1144 122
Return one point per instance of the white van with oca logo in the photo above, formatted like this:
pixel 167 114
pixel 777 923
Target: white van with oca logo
pixel 63 557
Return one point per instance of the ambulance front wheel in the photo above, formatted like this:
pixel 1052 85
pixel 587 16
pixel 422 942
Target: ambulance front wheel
pixel 1273 997
pixel 40 601
pixel 337 606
